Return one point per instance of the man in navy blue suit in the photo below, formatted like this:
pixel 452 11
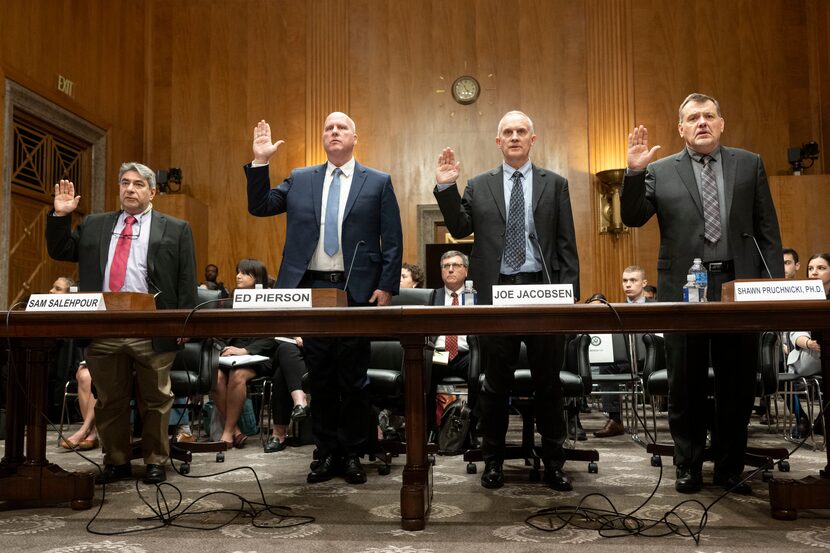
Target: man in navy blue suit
pixel 343 230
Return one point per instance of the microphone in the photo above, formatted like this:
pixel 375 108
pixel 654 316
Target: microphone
pixel 535 240
pixel 351 265
pixel 757 247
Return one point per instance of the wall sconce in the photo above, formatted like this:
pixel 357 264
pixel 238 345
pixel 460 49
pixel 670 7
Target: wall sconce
pixel 609 201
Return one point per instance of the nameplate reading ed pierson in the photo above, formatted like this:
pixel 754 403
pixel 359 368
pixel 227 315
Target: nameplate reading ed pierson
pixel 272 298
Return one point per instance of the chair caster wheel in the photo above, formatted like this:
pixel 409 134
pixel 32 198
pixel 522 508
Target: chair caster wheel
pixel 766 476
pixel 185 468
pixel 593 468
pixel 431 460
pixel 471 468
pixel 656 461
pixel 220 456
pixel 535 475
pixel 384 470
pixel 784 466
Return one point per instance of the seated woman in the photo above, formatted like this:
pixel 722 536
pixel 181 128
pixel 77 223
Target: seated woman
pixel 805 357
pixel 412 276
pixel 231 388
pixel 289 402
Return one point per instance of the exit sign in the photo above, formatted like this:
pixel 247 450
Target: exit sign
pixel 65 85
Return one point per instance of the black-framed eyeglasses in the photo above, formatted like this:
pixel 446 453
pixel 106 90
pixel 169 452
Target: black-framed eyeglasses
pixel 455 266
pixel 132 236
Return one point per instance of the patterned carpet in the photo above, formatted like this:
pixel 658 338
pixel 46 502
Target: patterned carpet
pixel 335 516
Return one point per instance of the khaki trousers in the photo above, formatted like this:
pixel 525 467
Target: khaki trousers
pixel 114 364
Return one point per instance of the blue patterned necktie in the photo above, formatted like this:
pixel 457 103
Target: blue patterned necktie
pixel 330 241
pixel 514 247
pixel 711 205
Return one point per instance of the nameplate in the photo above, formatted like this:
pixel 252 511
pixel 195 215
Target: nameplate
pixel 272 298
pixel 601 349
pixel 86 301
pixel 532 294
pixel 773 290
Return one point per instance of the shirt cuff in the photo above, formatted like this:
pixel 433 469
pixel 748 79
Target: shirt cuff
pixel 255 164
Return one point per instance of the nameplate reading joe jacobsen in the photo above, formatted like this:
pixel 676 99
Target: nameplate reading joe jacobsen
pixel 66 302
pixel 533 294
pixel 272 298
pixel 779 290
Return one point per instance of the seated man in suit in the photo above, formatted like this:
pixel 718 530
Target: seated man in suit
pixel 453 273
pixel 634 283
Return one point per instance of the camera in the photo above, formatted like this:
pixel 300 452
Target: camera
pixel 796 156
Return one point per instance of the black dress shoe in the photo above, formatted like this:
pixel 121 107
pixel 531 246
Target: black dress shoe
pixel 112 473
pixel 154 474
pixel 493 475
pixel 557 479
pixel 353 472
pixel 273 445
pixel 299 412
pixel 733 484
pixel 575 430
pixel 688 481
pixel 322 471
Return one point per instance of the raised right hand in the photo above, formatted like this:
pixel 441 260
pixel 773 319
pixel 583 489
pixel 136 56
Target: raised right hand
pixel 65 199
pixel 447 170
pixel 263 148
pixel 639 156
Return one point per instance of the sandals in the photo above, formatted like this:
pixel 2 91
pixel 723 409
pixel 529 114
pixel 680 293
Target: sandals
pixel 239 440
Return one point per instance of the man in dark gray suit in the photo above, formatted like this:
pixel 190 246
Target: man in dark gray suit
pixel 136 249
pixel 714 203
pixel 524 234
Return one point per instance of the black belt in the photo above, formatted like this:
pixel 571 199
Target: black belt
pixel 521 278
pixel 727 266
pixel 325 276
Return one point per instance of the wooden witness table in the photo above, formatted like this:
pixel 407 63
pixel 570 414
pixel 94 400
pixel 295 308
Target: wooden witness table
pixel 30 476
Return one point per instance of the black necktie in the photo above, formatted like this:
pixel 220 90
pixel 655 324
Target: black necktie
pixel 514 246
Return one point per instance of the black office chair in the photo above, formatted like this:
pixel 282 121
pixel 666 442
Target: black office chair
pixel 656 381
pixel 575 378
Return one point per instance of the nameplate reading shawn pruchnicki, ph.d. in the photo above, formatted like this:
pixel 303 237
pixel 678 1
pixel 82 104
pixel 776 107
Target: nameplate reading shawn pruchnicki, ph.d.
pixel 775 290
pixel 533 294
pixel 272 298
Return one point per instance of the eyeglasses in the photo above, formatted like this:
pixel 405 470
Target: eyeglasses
pixel 130 236
pixel 455 266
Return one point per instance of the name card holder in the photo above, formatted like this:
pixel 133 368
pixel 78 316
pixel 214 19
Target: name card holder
pixel 284 298
pixel 778 289
pixel 533 294
pixel 92 301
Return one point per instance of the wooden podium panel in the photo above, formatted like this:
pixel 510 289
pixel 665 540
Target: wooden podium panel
pixel 800 202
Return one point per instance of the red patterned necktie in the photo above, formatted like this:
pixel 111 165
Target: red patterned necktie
pixel 451 341
pixel 118 269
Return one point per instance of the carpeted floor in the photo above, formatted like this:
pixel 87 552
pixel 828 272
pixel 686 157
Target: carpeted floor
pixel 335 516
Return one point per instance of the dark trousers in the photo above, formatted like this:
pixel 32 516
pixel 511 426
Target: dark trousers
pixel 288 377
pixel 340 405
pixel 501 358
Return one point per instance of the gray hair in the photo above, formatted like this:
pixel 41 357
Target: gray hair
pixel 699 98
pixel 515 112
pixel 145 172
pixel 455 253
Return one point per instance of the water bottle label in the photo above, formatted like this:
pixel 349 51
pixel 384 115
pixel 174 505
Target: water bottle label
pixel 702 279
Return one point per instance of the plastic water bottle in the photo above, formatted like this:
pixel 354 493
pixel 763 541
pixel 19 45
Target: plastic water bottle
pixel 691 292
pixel 468 297
pixel 701 277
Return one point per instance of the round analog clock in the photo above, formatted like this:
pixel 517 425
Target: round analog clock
pixel 465 89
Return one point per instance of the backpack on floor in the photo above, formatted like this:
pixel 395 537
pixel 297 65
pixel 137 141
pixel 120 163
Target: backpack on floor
pixel 454 429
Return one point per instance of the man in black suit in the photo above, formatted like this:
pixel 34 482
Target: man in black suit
pixel 521 216
pixel 714 203
pixel 135 249
pixel 343 230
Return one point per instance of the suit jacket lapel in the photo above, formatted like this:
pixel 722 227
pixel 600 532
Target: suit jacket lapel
pixel 106 239
pixel 317 178
pixel 358 180
pixel 540 181
pixel 730 169
pixel 495 182
pixel 157 226
pixel 683 163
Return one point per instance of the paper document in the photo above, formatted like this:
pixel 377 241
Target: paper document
pixel 440 357
pixel 240 360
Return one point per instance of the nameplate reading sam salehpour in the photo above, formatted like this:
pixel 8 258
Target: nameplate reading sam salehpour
pixel 85 301
pixel 272 298
pixel 533 294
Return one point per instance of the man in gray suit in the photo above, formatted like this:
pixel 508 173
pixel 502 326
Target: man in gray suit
pixel 524 234
pixel 714 203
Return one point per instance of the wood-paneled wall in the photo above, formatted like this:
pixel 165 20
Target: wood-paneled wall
pixel 201 73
